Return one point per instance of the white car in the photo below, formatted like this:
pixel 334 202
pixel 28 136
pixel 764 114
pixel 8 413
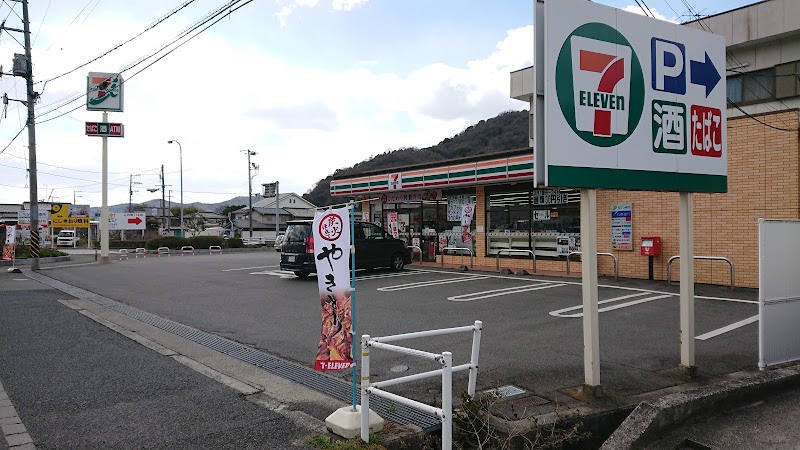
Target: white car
pixel 279 242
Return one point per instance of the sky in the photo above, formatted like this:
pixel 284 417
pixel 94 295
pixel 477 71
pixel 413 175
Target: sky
pixel 309 85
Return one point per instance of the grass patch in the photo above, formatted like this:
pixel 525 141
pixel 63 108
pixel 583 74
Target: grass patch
pixel 328 443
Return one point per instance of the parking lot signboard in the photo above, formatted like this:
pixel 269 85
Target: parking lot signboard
pixel 632 102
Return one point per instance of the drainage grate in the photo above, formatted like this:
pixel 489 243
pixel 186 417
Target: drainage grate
pixel 334 387
pixel 506 391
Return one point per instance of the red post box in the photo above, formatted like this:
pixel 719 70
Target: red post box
pixel 651 246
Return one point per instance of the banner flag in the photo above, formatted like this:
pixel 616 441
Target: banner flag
pixel 331 230
pixel 466 219
pixel 8 243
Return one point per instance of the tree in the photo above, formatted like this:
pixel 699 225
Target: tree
pixel 192 220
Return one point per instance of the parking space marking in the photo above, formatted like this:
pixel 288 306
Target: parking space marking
pixel 401 287
pixel 499 292
pixel 248 268
pixel 277 273
pixel 728 328
pixel 387 275
pixel 560 312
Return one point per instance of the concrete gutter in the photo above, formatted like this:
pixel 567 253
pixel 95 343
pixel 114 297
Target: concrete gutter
pixel 652 417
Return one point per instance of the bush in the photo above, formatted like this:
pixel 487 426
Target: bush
pixel 125 244
pixel 24 252
pixel 205 241
pixel 234 243
pixel 173 242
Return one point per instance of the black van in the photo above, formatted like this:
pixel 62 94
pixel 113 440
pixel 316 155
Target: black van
pixel 374 248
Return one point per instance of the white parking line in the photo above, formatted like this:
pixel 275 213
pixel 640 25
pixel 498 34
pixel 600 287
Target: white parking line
pixel 728 328
pixel 249 268
pixel 499 292
pixel 277 273
pixel 402 287
pixel 385 275
pixel 560 312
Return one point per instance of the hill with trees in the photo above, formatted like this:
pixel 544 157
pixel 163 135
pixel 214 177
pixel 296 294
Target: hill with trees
pixel 506 131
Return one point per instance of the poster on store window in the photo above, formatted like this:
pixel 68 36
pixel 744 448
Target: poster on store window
pixel 393 225
pixel 9 235
pixel 562 245
pixel 365 216
pixel 331 230
pixel 415 242
pixel 622 226
pixel 455 206
pixel 467 212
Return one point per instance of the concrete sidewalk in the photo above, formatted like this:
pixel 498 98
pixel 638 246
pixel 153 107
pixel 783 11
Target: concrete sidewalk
pixel 71 382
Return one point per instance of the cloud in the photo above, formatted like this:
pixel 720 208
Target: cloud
pixel 347 5
pixel 637 10
pixel 288 8
pixel 314 116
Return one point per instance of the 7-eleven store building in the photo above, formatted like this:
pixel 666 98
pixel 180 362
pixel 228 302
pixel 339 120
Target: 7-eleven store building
pixel 763 181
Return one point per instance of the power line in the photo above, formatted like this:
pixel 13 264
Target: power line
pixel 42 22
pixel 222 11
pixel 148 28
pixel 222 8
pixel 12 140
pixel 759 121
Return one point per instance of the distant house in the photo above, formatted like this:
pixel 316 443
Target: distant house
pixel 8 213
pixel 290 207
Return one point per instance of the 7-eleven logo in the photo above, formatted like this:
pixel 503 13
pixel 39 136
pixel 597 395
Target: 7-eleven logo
pixel 599 84
pixel 601 80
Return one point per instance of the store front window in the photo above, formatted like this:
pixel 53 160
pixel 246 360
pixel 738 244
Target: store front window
pixel 431 223
pixel 546 221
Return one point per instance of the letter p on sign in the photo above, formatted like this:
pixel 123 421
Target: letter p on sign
pixel 668 65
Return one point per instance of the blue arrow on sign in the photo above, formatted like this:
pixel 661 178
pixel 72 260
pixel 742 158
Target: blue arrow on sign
pixel 705 74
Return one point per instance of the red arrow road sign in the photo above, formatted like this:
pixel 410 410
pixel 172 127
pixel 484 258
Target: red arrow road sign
pixel 135 220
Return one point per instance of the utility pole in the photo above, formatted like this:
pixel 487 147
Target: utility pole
pixel 130 193
pixel 250 168
pixel 23 66
pixel 163 213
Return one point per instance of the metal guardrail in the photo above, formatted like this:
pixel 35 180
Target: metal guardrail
pixel 420 252
pixel 445 413
pixel 163 251
pixel 123 254
pixel 511 250
pixel 616 262
pixel 459 249
pixel 712 258
pixel 214 249
pixel 140 251
pixel 187 249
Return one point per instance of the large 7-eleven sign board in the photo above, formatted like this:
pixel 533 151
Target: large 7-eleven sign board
pixel 631 102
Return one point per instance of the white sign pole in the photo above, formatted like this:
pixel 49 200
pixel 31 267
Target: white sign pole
pixel 591 330
pixel 687 282
pixel 104 210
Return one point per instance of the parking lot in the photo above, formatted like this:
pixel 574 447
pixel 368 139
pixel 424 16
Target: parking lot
pixel 532 324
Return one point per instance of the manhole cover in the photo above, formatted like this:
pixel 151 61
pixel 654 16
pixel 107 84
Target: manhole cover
pixel 506 391
pixel 397 369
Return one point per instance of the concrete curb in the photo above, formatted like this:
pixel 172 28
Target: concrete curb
pixel 651 417
pixel 27 262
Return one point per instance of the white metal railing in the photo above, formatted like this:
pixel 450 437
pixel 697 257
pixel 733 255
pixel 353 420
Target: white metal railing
pixel 712 258
pixel 163 251
pixel 613 256
pixel 187 249
pixel 512 250
pixel 419 250
pixel 459 249
pixel 123 254
pixel 214 249
pixel 445 413
pixel 140 251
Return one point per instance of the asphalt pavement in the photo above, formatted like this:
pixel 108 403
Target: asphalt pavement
pixel 76 384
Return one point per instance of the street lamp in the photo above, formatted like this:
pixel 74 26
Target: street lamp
pixel 180 149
